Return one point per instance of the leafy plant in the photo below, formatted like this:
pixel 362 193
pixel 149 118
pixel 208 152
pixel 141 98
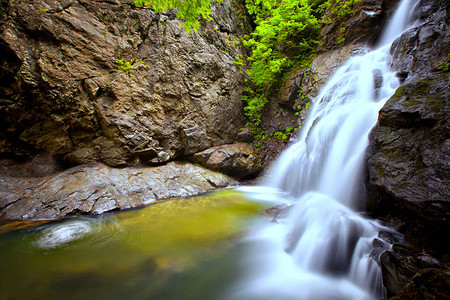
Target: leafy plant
pixel 127 66
pixel 339 9
pixel 239 60
pixel 188 10
pixel 285 37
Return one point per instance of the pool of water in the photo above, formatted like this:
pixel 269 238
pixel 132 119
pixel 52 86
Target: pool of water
pixel 178 249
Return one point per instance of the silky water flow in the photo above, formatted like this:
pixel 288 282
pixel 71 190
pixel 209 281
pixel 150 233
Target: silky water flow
pixel 324 249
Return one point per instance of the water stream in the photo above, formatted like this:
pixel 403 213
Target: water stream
pixel 324 249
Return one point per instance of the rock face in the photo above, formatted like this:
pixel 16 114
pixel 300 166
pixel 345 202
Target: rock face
pixel 107 81
pixel 96 188
pixel 409 174
pixel 361 24
pixel 409 159
pixel 410 147
pixel 409 154
pixel 424 49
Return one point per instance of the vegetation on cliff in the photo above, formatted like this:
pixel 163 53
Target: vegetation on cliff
pixel 285 38
pixel 188 10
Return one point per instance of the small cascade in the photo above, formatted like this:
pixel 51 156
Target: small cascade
pixel 324 249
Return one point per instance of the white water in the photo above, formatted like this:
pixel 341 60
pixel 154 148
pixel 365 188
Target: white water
pixel 324 249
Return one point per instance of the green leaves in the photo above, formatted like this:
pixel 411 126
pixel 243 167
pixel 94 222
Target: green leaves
pixel 285 37
pixel 188 10
pixel 282 38
pixel 127 66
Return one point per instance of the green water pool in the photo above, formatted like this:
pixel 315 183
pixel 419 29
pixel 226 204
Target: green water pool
pixel 177 249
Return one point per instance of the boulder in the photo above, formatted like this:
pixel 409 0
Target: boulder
pixel 96 188
pixel 409 155
pixel 237 160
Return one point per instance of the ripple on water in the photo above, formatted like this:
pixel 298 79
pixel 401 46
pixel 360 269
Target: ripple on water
pixel 63 234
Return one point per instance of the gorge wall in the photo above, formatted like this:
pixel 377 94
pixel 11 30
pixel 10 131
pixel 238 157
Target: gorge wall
pixel 105 81
pixel 97 83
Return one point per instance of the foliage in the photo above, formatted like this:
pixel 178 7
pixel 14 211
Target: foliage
pixel 283 135
pixel 127 66
pixel 340 9
pixel 285 37
pixel 188 10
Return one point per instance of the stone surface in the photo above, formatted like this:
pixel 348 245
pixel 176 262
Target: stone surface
pixel 402 263
pixel 427 284
pixel 62 92
pixel 96 188
pixel 425 48
pixel 409 155
pixel 304 84
pixel 237 160
pixel 361 26
pixel 409 171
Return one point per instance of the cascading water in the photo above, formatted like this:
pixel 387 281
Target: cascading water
pixel 324 250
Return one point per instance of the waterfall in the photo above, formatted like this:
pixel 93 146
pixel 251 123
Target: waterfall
pixel 324 249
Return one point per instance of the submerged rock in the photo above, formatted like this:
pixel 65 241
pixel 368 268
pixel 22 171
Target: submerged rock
pixel 96 188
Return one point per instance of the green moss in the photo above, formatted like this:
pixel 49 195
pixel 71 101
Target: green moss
pixel 444 65
pixel 411 103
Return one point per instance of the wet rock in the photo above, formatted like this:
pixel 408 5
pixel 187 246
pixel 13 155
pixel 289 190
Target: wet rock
pixel 424 49
pixel 408 158
pixel 305 83
pixel 245 136
pixel 66 90
pixel 278 212
pixel 289 107
pixel 237 160
pixel 409 174
pixel 401 260
pixel 427 284
pixel 360 26
pixel 96 189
